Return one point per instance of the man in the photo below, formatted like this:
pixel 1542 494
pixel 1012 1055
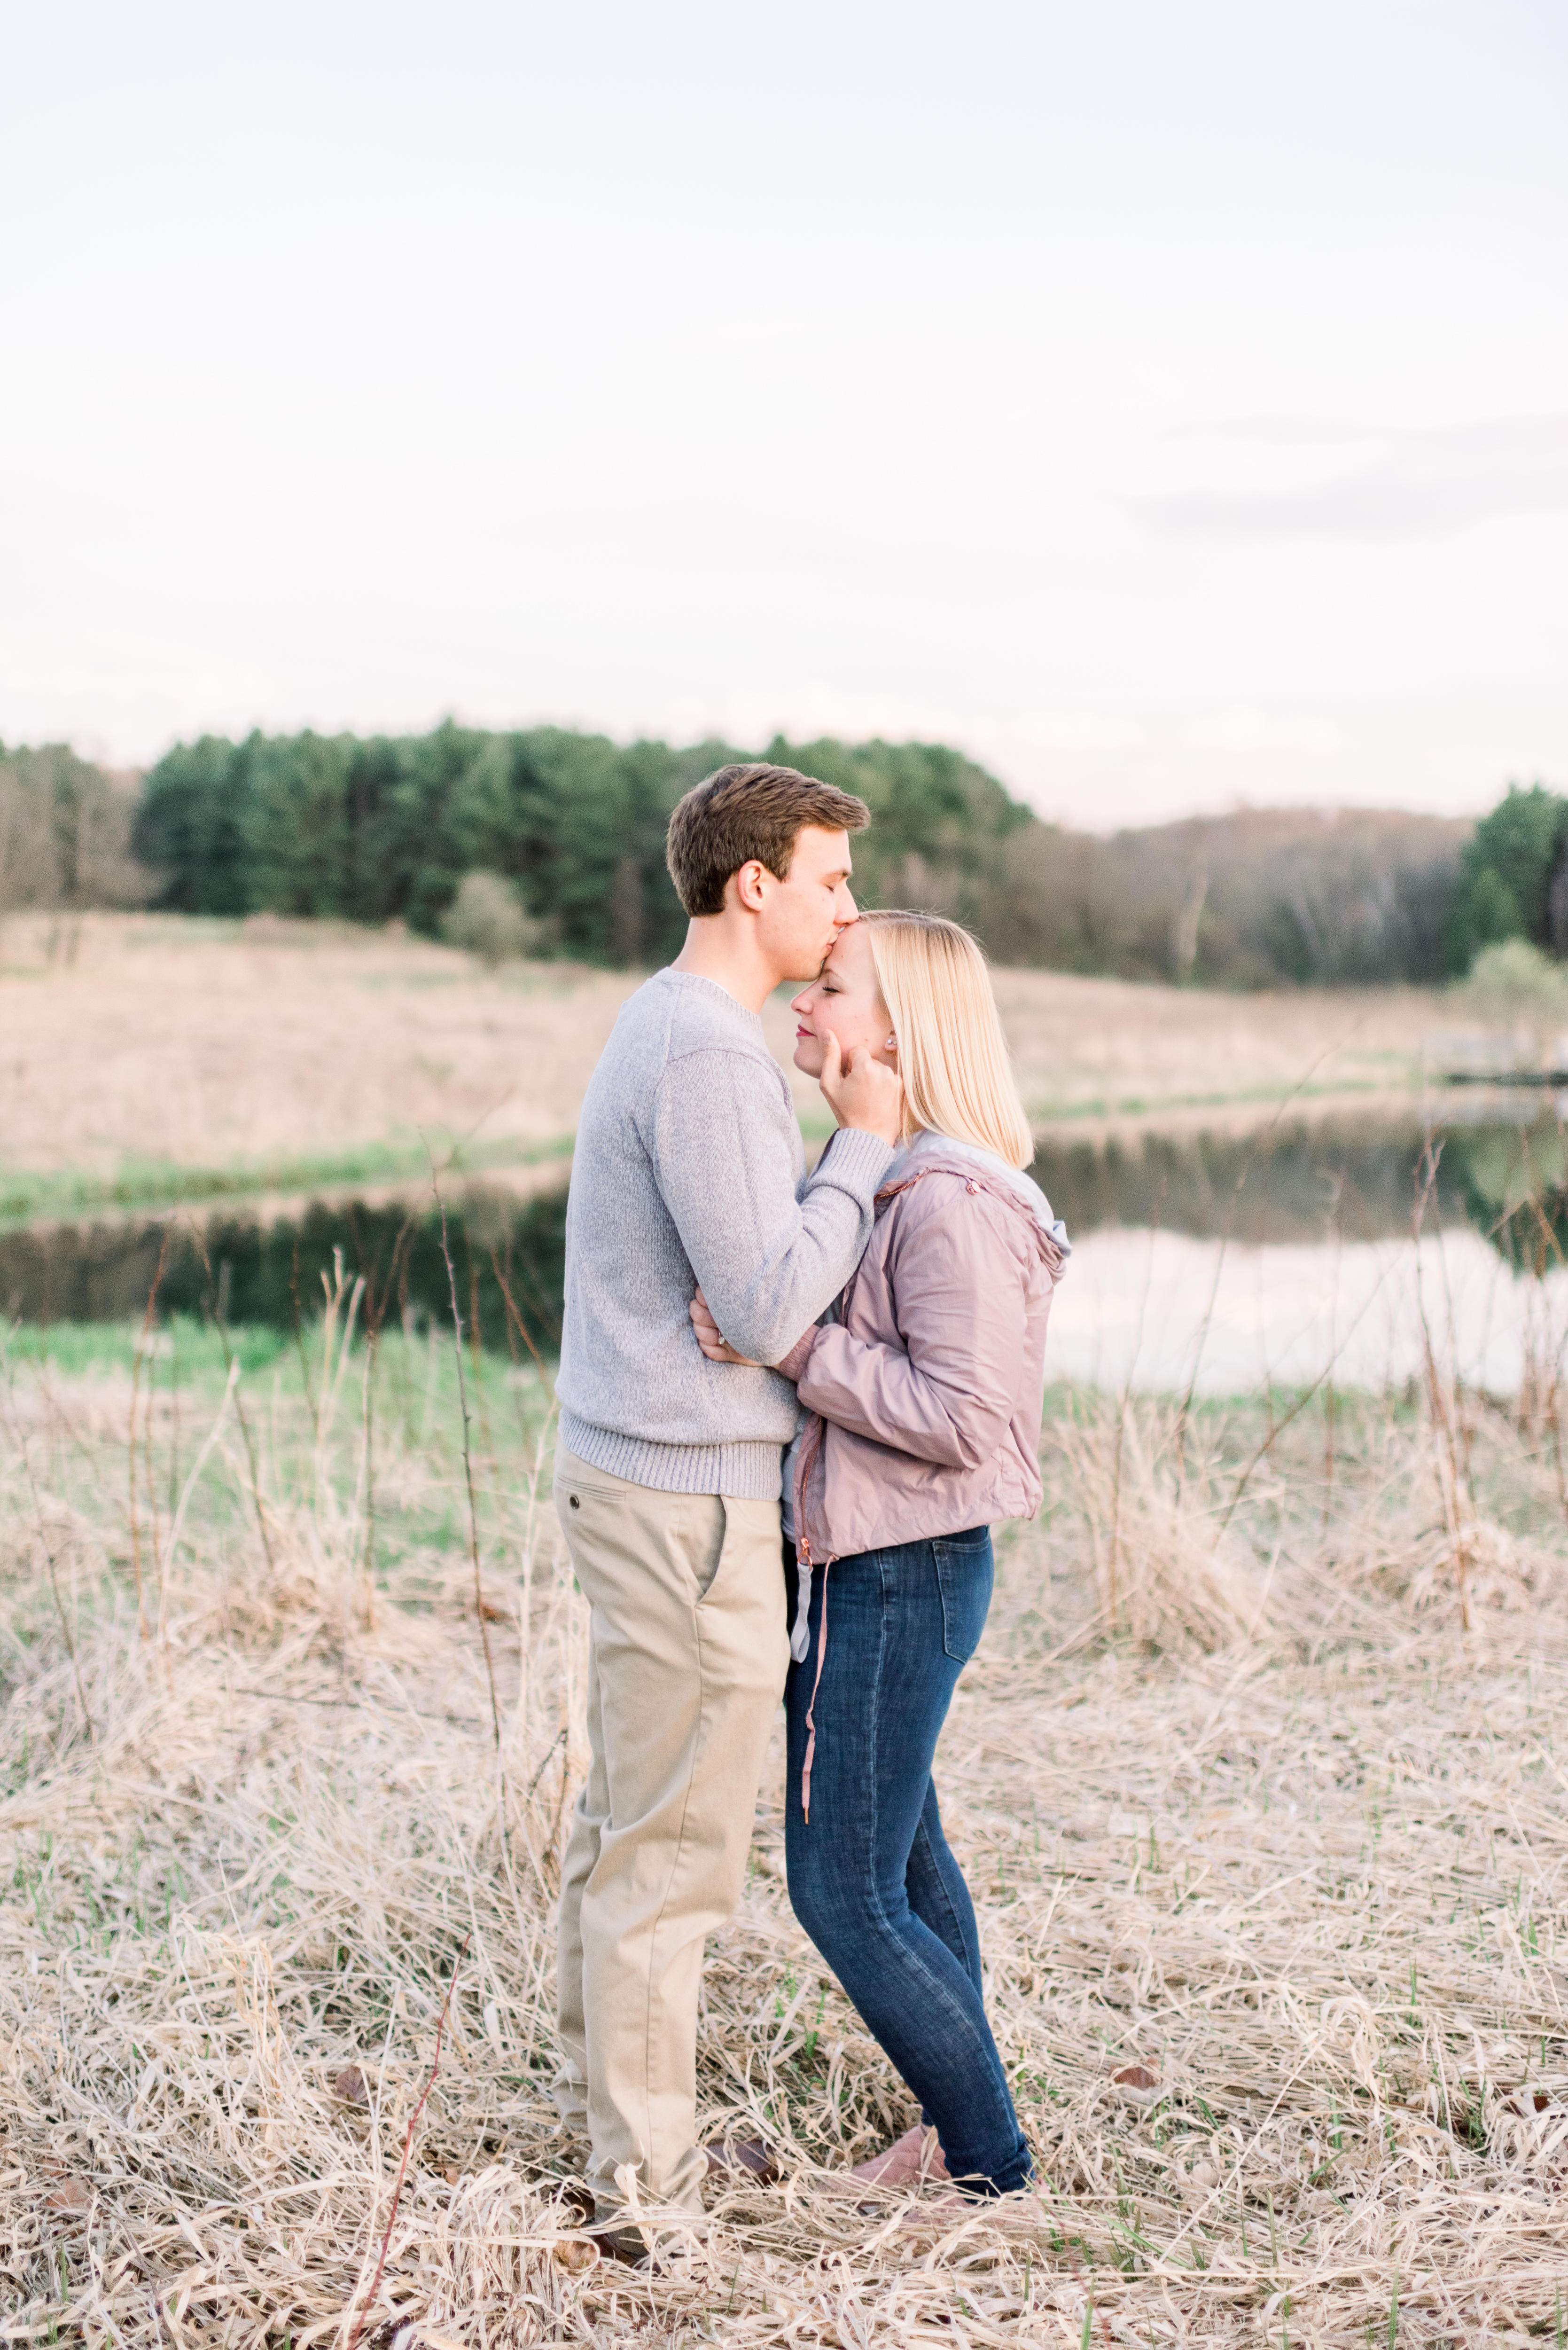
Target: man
pixel 690 1170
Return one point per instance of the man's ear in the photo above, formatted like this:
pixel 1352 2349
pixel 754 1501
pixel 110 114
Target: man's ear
pixel 751 885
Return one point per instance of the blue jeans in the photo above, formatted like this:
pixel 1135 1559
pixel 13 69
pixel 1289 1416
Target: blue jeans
pixel 870 1875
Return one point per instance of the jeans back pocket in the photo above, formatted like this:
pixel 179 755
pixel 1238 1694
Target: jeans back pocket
pixel 965 1571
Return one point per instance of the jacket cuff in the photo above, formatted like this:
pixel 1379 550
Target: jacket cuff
pixel 794 1364
pixel 855 1161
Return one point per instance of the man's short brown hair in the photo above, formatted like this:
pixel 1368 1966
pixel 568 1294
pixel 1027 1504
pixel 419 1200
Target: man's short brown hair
pixel 740 812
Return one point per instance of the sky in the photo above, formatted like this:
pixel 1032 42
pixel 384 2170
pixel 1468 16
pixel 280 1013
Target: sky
pixel 1169 403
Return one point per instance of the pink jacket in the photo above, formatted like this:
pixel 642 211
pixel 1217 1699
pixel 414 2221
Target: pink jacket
pixel 926 1395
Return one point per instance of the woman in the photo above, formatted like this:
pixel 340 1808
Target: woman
pixel 922 1401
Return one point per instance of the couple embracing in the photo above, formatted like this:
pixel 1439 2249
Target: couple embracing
pixel 879 1326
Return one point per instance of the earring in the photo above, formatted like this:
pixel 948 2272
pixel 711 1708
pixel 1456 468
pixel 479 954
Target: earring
pixel 892 1045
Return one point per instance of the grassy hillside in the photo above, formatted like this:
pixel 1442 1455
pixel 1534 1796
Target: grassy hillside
pixel 179 1059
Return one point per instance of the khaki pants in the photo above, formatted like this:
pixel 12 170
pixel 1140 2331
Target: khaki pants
pixel 687 1657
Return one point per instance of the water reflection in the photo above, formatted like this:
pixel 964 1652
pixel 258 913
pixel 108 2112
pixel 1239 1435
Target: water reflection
pixel 1230 1259
pixel 1232 1263
pixel 1160 1312
pixel 1312 1180
pixel 271 1272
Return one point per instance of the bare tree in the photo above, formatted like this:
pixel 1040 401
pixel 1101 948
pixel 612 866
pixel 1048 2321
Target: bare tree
pixel 65 834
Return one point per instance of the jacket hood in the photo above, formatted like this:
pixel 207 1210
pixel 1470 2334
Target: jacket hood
pixel 930 1150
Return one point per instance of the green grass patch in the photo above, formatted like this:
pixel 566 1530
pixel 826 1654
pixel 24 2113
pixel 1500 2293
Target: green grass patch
pixel 70 1194
pixel 194 1346
pixel 1052 1113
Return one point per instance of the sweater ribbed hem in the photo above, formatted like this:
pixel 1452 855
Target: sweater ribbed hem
pixel 740 1472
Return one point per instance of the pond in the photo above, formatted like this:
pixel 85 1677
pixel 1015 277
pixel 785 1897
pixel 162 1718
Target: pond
pixel 1219 1258
pixel 506 1256
pixel 1291 1254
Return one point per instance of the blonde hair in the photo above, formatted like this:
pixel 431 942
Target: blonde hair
pixel 952 1055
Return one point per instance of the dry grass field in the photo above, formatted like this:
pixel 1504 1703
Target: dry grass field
pixel 286 1056
pixel 1261 1775
pixel 166 1055
pixel 1260 1778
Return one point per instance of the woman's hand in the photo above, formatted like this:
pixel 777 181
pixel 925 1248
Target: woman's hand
pixel 710 1338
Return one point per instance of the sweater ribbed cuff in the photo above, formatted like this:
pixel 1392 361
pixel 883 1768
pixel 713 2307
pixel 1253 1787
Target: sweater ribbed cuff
pixel 856 1162
pixel 740 1472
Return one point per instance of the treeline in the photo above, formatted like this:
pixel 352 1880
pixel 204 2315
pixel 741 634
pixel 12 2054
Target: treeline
pixel 385 830
pixel 1513 879
pixel 65 834
pixel 1259 898
pixel 571 827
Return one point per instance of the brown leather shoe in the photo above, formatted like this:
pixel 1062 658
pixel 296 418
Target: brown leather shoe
pixel 656 2251
pixel 750 2156
pixel 628 2245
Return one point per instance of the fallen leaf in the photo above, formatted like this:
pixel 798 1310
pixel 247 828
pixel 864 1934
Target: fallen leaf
pixel 1136 2084
pixel 349 2086
pixel 573 2254
pixel 70 2194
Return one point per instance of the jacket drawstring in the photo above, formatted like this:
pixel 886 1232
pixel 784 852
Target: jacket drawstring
pixel 810 1709
pixel 806 1562
pixel 800 1630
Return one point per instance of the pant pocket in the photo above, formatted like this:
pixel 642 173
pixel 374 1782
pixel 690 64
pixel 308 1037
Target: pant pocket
pixel 707 1554
pixel 573 1494
pixel 964 1575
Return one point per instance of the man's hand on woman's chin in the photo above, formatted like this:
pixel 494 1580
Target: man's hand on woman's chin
pixel 863 1093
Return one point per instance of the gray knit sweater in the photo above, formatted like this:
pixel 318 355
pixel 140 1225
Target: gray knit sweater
pixel 689 1169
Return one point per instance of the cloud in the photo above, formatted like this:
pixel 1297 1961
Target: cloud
pixel 1251 731
pixel 1342 483
pixel 125 697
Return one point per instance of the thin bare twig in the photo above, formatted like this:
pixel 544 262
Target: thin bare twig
pixel 131 1440
pixel 1264 1134
pixel 377 1302
pixel 221 1323
pixel 514 1317
pixel 59 1602
pixel 468 1463
pixel 1455 1483
pixel 370 2302
pixel 299 1337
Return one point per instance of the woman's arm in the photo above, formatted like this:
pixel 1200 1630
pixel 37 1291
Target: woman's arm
pixel 960 1293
